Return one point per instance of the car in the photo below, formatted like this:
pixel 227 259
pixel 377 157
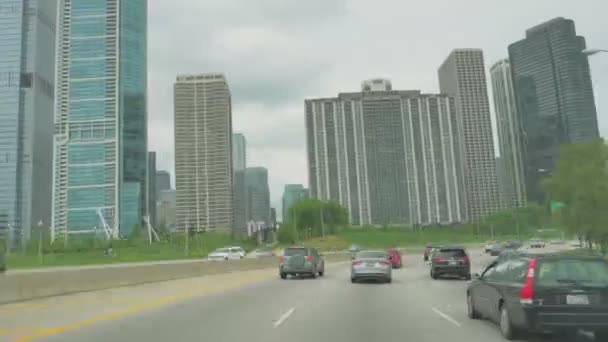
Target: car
pixel 371 265
pixel 353 249
pixel 227 253
pixel 488 247
pixel 496 249
pixel 301 261
pixel 537 244
pixel 452 261
pixel 427 250
pixel 395 257
pixel 543 293
pixel 513 244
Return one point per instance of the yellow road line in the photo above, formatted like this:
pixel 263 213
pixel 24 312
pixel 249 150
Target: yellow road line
pixel 134 309
pixel 5 332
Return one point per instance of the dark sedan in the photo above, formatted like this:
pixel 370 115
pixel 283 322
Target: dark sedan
pixel 558 293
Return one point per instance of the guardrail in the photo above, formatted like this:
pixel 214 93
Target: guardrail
pixel 26 285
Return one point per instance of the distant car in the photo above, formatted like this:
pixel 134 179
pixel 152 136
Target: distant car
pixel 371 265
pixel 513 244
pixel 451 261
pixel 496 248
pixel 395 257
pixel 301 261
pixel 433 252
pixel 227 253
pixel 427 251
pixel 537 244
pixel 488 247
pixel 558 293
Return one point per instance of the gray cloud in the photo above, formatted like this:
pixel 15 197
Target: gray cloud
pixel 275 53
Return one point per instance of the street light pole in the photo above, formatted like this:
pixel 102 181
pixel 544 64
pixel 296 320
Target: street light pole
pixel 40 239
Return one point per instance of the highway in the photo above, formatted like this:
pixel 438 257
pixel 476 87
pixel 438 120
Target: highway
pixel 258 306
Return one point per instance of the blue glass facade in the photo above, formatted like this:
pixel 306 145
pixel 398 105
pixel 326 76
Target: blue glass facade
pixel 26 109
pixel 100 112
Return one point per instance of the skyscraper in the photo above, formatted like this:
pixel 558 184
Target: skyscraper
pixel 100 151
pixel 203 163
pixel 554 95
pixel 239 152
pixel 292 193
pixel 27 56
pixel 389 157
pixel 151 184
pixel 163 181
pixel 257 195
pixel 463 76
pixel 509 138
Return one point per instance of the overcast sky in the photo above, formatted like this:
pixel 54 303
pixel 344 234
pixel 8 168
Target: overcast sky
pixel 276 53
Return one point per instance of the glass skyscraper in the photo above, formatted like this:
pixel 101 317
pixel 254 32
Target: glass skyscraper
pixel 554 95
pixel 27 47
pixel 100 152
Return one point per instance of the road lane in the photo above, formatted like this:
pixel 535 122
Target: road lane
pixel 414 307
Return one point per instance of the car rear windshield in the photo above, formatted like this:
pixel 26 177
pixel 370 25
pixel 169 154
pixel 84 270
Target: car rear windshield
pixel 295 251
pixel 371 255
pixel 555 273
pixel 452 253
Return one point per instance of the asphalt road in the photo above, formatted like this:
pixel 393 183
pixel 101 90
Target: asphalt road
pixel 412 308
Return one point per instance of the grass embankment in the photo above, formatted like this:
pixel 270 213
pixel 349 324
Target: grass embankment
pixel 403 237
pixel 93 252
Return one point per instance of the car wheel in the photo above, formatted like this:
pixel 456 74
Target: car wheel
pixel 389 280
pixel 467 276
pixel 506 327
pixel 225 258
pixel 321 273
pixel 433 274
pixel 314 274
pixel 353 280
pixel 473 314
pixel 283 275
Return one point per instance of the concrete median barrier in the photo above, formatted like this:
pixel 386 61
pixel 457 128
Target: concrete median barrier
pixel 21 286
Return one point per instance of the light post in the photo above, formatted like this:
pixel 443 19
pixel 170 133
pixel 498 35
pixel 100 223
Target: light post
pixel 8 239
pixel 40 239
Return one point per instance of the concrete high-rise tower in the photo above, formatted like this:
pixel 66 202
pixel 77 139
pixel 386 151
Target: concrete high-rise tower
pixel 203 163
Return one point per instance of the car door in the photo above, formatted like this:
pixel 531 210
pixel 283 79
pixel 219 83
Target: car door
pixel 481 292
pixel 234 253
pixel 494 289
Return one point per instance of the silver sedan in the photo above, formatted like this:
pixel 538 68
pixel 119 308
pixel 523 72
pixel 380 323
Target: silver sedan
pixel 372 265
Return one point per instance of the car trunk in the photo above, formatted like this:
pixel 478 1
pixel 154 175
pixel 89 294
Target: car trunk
pixel 454 257
pixel 296 261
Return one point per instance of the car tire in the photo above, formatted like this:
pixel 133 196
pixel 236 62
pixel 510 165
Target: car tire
pixel 389 280
pixel 472 313
pixel 433 274
pixel 353 280
pixel 314 274
pixel 283 275
pixel 507 330
pixel 467 276
pixel 321 273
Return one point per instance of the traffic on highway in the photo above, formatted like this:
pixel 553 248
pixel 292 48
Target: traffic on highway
pixel 529 294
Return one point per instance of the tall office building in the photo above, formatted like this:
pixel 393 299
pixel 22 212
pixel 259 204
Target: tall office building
pixel 100 143
pixel 151 184
pixel 463 76
pixel 239 152
pixel 203 163
pixel 513 186
pixel 554 95
pixel 257 195
pixel 163 181
pixel 389 157
pixel 27 56
pixel 292 193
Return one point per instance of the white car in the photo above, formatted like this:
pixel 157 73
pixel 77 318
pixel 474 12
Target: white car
pixel 227 253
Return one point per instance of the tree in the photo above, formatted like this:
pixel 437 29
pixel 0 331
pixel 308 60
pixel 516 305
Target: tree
pixel 312 217
pixel 580 182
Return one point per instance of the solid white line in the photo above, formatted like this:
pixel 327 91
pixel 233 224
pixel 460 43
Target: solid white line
pixel 446 317
pixel 284 317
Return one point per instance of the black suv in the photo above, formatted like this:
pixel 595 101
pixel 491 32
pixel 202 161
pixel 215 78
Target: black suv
pixel 558 293
pixel 450 261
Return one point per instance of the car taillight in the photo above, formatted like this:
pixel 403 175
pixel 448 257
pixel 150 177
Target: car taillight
pixel 281 258
pixel 437 259
pixel 465 259
pixel 309 258
pixel 357 262
pixel 384 263
pixel 526 295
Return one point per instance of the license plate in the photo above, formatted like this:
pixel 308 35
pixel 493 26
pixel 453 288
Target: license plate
pixel 577 300
pixel 453 263
pixel 370 264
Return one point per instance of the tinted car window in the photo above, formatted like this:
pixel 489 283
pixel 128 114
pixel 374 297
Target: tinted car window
pixel 452 253
pixel 563 272
pixel 516 270
pixel 295 251
pixel 371 255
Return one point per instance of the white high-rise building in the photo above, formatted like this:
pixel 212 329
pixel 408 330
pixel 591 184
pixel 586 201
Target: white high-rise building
pixel 239 152
pixel 203 163
pixel 463 76
pixel 509 138
pixel 389 157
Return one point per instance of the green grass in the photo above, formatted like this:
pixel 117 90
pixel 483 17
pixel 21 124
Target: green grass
pixel 92 253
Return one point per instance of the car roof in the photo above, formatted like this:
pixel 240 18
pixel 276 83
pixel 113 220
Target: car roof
pixel 451 247
pixel 556 256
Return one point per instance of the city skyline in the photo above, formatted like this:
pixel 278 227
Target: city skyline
pixel 267 99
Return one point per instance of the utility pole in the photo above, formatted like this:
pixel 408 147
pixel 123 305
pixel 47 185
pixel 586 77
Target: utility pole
pixel 8 239
pixel 322 222
pixel 187 236
pixel 40 239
